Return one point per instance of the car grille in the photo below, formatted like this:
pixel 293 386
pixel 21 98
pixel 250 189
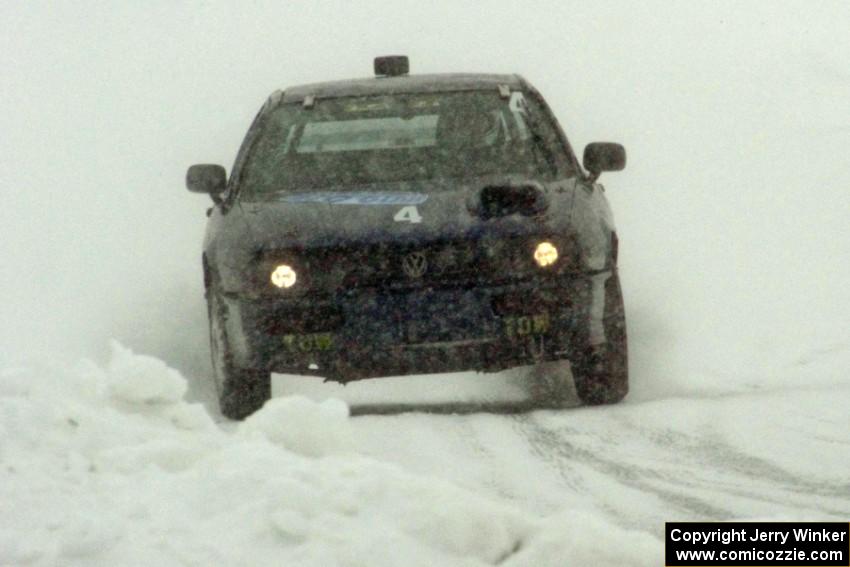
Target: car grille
pixel 416 265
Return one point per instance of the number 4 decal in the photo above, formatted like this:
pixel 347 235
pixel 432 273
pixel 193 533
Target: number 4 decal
pixel 408 214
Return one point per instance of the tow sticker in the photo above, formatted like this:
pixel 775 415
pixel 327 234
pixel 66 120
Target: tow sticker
pixel 373 198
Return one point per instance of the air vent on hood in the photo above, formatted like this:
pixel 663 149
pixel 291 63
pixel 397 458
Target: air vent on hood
pixel 500 200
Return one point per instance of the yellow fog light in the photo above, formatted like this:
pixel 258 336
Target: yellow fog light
pixel 283 276
pixel 545 254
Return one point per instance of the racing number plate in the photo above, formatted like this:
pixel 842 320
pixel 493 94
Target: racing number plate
pixel 516 326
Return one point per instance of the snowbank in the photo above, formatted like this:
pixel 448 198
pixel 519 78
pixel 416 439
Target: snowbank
pixel 111 467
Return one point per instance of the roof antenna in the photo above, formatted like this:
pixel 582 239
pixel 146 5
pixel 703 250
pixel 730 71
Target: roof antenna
pixel 392 65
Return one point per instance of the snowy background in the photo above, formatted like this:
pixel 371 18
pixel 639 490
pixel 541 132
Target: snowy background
pixel 734 224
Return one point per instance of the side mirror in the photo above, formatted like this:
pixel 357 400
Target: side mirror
pixel 206 178
pixel 603 156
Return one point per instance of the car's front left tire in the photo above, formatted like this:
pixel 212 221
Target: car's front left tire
pixel 241 391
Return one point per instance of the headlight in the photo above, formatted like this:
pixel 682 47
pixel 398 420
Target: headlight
pixel 545 254
pixel 283 276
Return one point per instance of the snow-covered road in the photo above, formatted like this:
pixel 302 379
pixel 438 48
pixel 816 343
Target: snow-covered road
pixel 763 454
pixel 100 466
pixel 760 451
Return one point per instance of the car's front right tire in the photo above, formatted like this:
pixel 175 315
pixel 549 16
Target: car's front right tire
pixel 601 372
pixel 241 391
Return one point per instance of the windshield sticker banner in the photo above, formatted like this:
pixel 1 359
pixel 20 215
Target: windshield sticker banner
pixel 358 198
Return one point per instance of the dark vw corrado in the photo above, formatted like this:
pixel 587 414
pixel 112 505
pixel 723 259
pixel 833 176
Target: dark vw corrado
pixel 410 224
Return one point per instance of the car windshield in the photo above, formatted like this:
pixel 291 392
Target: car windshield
pixel 395 138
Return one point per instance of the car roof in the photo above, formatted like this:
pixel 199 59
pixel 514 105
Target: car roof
pixel 402 84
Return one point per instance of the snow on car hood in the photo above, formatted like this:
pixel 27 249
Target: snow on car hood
pixel 391 212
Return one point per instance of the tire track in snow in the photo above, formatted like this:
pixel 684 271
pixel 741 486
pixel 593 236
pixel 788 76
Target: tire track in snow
pixel 700 476
pixel 567 457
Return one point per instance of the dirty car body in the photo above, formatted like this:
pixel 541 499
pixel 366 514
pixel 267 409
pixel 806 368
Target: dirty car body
pixel 407 224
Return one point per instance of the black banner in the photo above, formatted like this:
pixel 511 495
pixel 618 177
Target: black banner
pixel 757 544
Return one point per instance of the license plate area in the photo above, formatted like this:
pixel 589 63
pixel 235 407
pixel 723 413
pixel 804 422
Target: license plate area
pixel 434 317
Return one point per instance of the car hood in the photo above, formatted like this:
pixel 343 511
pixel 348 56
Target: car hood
pixel 400 212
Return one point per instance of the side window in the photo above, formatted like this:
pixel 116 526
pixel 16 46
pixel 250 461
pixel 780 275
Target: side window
pixel 538 125
pixel 242 155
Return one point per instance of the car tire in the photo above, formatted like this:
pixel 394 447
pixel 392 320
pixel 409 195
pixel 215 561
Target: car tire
pixel 241 391
pixel 601 372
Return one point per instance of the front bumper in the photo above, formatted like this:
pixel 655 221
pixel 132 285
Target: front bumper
pixel 372 332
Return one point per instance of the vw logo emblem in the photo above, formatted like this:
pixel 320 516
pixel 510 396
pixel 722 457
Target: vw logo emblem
pixel 414 264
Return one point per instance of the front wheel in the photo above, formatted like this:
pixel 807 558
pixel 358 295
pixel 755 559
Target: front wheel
pixel 601 372
pixel 241 391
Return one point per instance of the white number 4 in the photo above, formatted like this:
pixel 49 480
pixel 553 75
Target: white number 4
pixel 408 214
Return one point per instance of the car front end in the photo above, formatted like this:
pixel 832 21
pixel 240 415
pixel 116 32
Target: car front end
pixel 410 225
pixel 403 308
